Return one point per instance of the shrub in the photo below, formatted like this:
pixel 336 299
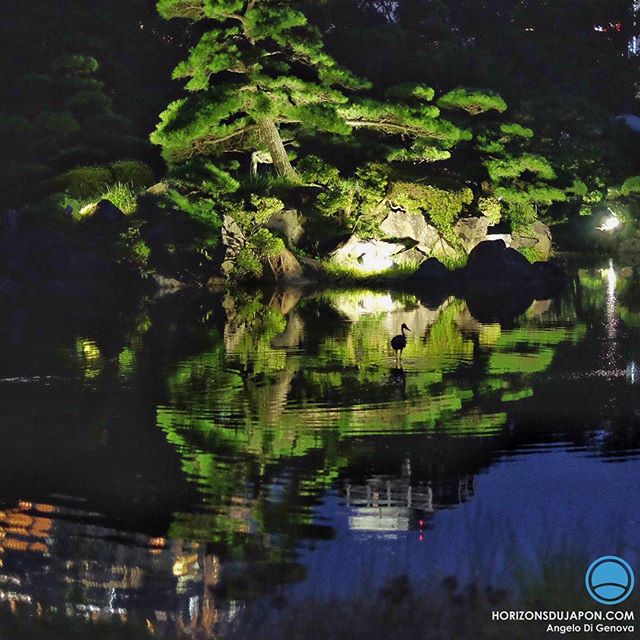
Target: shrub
pixel 123 196
pixel 203 210
pixel 631 186
pixel 260 243
pixel 85 182
pixel 134 252
pixel 491 208
pixel 134 172
pixel 443 206
pixel 353 202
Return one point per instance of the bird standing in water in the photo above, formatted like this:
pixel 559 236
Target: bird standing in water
pixel 399 342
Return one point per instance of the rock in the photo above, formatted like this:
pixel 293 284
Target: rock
pixel 505 237
pixel 431 271
pixel 410 257
pixel 311 267
pixel 492 265
pixel 486 254
pixel 107 213
pixel 158 189
pixel 233 240
pixel 471 231
pixel 537 238
pixel 516 265
pixel 550 270
pixel 400 224
pixel 367 255
pixel 287 224
pixel 442 249
pixel 282 267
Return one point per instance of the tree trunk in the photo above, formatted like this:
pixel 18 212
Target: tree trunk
pixel 271 137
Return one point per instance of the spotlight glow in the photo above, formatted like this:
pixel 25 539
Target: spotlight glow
pixel 610 224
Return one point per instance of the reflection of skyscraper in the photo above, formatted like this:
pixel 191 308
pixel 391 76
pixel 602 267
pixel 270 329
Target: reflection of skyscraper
pixel 634 40
pixel 65 561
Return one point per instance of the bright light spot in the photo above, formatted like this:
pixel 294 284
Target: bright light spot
pixel 366 256
pixel 632 372
pixel 88 208
pixel 611 223
pixel 612 279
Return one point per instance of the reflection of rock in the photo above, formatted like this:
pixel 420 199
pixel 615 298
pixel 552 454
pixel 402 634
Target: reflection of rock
pixel 292 336
pixel 283 300
pixel 353 305
pixel 282 267
pixel 539 308
pixel 419 318
pixel 166 283
pixel 288 225
pixel 487 307
pixel 471 231
pixel 269 401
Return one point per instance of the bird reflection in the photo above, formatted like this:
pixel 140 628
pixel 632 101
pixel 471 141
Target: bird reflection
pixel 398 378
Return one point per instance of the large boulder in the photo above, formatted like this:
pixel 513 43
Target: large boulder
pixel 471 231
pixel 283 267
pixel 493 265
pixel 288 225
pixel 399 225
pixel 443 249
pixel 107 213
pixel 538 237
pixel 431 271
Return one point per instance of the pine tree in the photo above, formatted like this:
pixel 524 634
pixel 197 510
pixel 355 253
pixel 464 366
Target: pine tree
pixel 258 73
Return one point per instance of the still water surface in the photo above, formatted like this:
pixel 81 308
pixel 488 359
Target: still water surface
pixel 171 459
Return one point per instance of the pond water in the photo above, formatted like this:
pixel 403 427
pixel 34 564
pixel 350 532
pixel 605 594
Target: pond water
pixel 169 460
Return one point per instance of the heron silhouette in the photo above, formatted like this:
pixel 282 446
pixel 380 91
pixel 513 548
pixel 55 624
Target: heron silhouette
pixel 399 342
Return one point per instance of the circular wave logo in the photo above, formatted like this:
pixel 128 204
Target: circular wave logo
pixel 609 580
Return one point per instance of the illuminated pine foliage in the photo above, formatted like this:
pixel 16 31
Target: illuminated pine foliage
pixel 257 74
